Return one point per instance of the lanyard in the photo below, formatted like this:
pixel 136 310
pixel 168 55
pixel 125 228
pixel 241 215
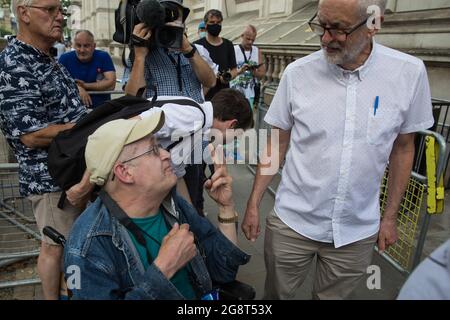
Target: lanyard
pixel 138 233
pixel 247 60
pixel 178 68
pixel 243 52
pixel 126 221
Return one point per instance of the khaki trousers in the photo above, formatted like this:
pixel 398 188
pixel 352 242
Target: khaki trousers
pixel 288 258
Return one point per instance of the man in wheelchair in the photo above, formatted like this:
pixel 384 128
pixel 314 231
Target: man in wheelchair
pixel 139 239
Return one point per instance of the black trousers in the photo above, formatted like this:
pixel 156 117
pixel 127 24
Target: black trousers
pixel 195 179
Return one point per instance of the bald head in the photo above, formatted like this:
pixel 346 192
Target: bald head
pixel 84 44
pixel 248 37
pixel 250 29
pixel 356 9
pixel 86 33
pixel 345 11
pixel 347 40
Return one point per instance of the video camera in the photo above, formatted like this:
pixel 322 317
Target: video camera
pixel 226 75
pixel 252 67
pixel 163 18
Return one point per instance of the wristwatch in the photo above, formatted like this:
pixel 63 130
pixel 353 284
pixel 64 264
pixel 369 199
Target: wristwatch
pixel 191 53
pixel 228 220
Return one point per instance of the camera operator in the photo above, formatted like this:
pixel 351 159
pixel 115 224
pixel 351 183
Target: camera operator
pixel 173 73
pixel 221 51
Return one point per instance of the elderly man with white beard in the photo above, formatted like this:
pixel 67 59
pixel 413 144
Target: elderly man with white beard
pixel 345 112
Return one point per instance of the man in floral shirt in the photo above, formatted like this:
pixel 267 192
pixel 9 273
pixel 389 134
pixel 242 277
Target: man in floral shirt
pixel 38 99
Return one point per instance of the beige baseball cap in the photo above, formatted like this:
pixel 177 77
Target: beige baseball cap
pixel 105 145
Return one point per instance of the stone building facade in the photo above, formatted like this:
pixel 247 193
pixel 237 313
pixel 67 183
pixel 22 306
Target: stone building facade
pixel 421 28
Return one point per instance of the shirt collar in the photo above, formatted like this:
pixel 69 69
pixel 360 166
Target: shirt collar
pixel 361 72
pixel 29 48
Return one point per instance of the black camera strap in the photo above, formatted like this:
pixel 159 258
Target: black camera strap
pixel 123 21
pixel 246 60
pixel 178 68
pixel 126 221
pixel 138 233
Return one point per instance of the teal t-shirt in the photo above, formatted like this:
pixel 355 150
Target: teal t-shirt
pixel 157 228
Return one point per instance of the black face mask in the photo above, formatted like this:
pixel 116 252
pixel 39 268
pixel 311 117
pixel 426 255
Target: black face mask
pixel 214 29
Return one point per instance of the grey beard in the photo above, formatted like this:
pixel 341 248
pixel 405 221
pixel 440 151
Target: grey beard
pixel 348 55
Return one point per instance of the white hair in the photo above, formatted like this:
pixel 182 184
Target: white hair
pixel 365 4
pixel 17 3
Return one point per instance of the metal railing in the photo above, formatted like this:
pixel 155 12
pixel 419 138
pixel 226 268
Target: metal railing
pixel 111 92
pixel 413 222
pixel 19 237
pixel 441 111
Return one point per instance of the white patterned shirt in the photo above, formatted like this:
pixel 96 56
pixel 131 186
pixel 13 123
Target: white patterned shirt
pixel 341 142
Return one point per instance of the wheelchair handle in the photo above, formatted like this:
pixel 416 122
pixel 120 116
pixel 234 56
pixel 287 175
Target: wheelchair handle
pixel 54 235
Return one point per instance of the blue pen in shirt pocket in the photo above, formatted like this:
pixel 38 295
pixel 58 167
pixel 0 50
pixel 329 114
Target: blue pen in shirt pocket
pixel 376 105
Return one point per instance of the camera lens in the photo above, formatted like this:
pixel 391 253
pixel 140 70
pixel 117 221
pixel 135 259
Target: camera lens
pixel 167 37
pixel 227 76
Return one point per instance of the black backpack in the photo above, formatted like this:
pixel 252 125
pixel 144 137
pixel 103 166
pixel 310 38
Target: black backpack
pixel 125 16
pixel 66 161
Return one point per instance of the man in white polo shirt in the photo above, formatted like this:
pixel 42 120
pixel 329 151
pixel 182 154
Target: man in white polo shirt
pixel 345 112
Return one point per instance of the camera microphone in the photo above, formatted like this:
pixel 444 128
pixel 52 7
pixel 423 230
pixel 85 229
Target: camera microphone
pixel 151 12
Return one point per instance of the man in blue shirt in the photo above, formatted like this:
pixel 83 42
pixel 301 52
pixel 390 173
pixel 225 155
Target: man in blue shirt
pixel 92 69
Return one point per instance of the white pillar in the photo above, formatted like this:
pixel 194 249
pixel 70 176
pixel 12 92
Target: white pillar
pixel 391 6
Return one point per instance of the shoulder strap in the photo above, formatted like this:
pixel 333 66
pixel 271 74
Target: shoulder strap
pixel 123 21
pixel 243 53
pixel 178 68
pixel 184 102
pixel 124 220
pixel 123 14
pixel 247 59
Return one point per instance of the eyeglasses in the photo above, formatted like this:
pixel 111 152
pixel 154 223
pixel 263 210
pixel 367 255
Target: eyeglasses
pixel 154 149
pixel 319 29
pixel 52 10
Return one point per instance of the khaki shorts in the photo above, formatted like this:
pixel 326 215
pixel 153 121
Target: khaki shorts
pixel 47 213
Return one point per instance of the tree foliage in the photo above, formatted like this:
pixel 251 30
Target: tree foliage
pixel 5 3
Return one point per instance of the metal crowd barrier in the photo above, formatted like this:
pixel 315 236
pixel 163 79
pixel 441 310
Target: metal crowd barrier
pixel 19 235
pixel 441 110
pixel 413 219
pixel 112 92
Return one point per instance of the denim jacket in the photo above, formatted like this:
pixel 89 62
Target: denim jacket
pixel 100 248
